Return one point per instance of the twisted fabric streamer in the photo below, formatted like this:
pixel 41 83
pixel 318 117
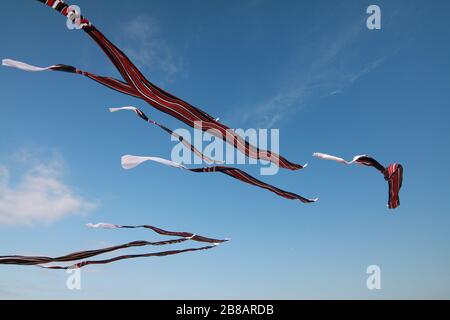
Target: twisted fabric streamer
pixel 187 235
pixel 136 85
pixel 111 83
pixel 180 138
pixel 124 257
pixel 393 174
pixel 41 261
pixel 130 162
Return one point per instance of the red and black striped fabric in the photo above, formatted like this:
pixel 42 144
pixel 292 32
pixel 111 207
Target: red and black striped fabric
pixel 245 177
pixel 130 162
pixel 187 235
pixel 370 162
pixel 128 256
pixel 230 171
pixel 393 174
pixel 138 86
pixel 42 261
pixel 35 260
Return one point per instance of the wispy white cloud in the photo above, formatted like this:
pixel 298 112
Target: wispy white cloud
pixel 39 196
pixel 365 70
pixel 147 48
pixel 326 69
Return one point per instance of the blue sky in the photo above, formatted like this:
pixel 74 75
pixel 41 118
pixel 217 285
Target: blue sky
pixel 311 69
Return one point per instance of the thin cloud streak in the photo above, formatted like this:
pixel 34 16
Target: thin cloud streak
pixel 328 73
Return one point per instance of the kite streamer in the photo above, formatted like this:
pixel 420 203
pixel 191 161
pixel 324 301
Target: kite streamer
pixel 129 256
pixel 142 115
pixel 187 235
pixel 42 261
pixel 35 260
pixel 393 174
pixel 138 86
pixel 130 162
pixel 109 82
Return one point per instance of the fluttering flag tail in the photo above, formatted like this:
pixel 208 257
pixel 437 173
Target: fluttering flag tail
pixel 187 235
pixel 180 138
pixel 43 261
pixel 137 85
pixel 130 162
pixel 393 174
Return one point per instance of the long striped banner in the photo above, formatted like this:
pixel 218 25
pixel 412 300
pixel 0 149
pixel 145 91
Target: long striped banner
pixel 135 84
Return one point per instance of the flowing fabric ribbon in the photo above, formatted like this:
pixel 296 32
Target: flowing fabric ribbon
pixel 187 235
pixel 393 174
pixel 128 256
pixel 42 261
pixel 130 162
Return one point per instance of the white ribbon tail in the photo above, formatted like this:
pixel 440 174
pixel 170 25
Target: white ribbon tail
pixel 122 108
pixel 130 162
pixel 22 65
pixel 329 157
pixel 337 159
pixel 102 225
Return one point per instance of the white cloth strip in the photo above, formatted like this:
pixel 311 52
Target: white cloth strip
pixel 130 162
pixel 122 108
pixel 23 66
pixel 102 225
pixel 333 158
